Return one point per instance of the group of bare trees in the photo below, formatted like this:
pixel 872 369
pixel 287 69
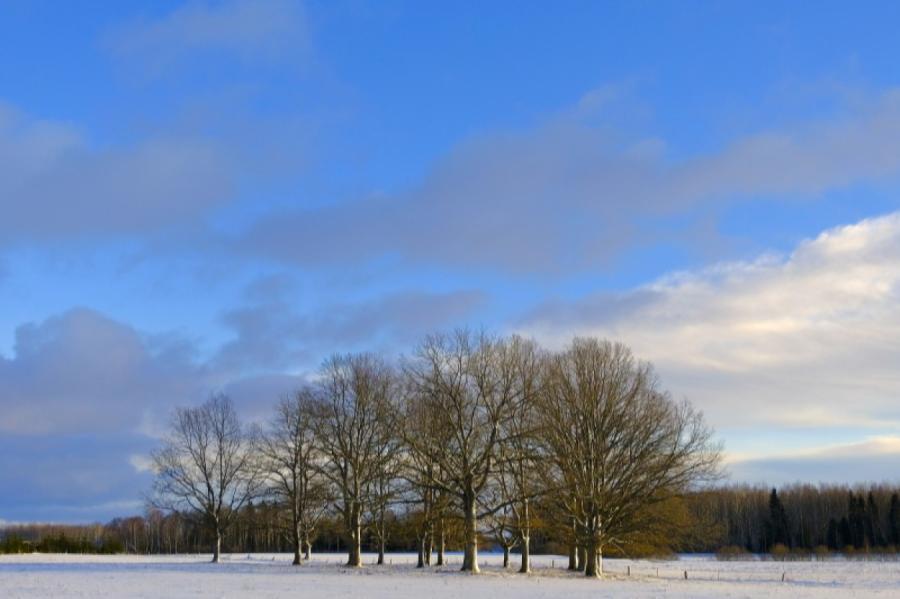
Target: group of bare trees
pixel 471 428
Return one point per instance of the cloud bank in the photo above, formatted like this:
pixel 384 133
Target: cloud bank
pixel 866 461
pixel 572 195
pixel 806 340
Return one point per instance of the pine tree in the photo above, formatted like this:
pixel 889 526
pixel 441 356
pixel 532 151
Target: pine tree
pixel 778 528
pixel 845 533
pixel 873 522
pixel 894 520
pixel 832 535
pixel 856 514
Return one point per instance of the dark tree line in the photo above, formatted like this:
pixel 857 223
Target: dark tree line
pixel 800 517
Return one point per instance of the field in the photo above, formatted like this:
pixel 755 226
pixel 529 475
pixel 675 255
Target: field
pixel 272 576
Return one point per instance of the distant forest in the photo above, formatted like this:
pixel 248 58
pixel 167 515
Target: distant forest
pixel 797 520
pixel 799 517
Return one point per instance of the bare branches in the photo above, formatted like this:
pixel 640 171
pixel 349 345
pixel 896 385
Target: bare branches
pixel 356 433
pixel 292 463
pixel 463 390
pixel 618 444
pixel 490 430
pixel 207 466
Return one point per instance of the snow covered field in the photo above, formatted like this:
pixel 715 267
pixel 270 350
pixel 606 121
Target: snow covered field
pixel 273 576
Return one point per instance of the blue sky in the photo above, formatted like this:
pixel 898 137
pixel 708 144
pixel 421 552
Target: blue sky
pixel 211 196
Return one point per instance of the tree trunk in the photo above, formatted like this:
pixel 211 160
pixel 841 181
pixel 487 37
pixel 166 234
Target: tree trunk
pixel 354 558
pixel 573 556
pixel 441 543
pixel 297 551
pixel 429 541
pixel 298 544
pixel 421 562
pixel 525 568
pixel 381 549
pixel 582 558
pixel 525 534
pixel 470 555
pixel 505 556
pixel 591 568
pixel 217 547
pixel 308 545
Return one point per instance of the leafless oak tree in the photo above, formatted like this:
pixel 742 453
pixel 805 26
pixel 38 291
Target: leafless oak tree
pixel 291 461
pixel 468 387
pixel 618 443
pixel 520 454
pixel 356 434
pixel 207 467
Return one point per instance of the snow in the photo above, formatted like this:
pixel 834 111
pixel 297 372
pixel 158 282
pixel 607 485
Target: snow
pixel 270 575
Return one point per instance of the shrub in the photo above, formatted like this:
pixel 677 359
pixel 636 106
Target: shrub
pixel 779 551
pixel 731 552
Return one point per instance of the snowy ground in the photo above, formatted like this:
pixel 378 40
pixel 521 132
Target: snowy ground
pixel 273 576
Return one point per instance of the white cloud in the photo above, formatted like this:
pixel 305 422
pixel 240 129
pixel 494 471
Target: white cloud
pixel 141 463
pixel 82 372
pixel 805 340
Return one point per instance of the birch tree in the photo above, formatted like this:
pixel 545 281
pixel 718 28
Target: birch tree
pixel 207 467
pixel 618 443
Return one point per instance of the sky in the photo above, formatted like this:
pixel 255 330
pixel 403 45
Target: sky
pixel 210 197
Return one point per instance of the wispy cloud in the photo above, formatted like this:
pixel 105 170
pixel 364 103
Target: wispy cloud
pixel 569 194
pixel 270 333
pixel 251 30
pixel 54 183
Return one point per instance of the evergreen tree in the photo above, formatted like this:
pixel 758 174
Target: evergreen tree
pixel 873 522
pixel 777 526
pixel 831 537
pixel 894 520
pixel 845 533
pixel 856 515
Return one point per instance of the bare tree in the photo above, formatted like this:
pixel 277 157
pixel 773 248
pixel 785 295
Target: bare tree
pixel 501 527
pixel 520 454
pixel 467 385
pixel 291 461
pixel 207 467
pixel 619 445
pixel 419 472
pixel 356 436
pixel 382 493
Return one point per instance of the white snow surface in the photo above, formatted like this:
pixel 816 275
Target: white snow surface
pixel 268 575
